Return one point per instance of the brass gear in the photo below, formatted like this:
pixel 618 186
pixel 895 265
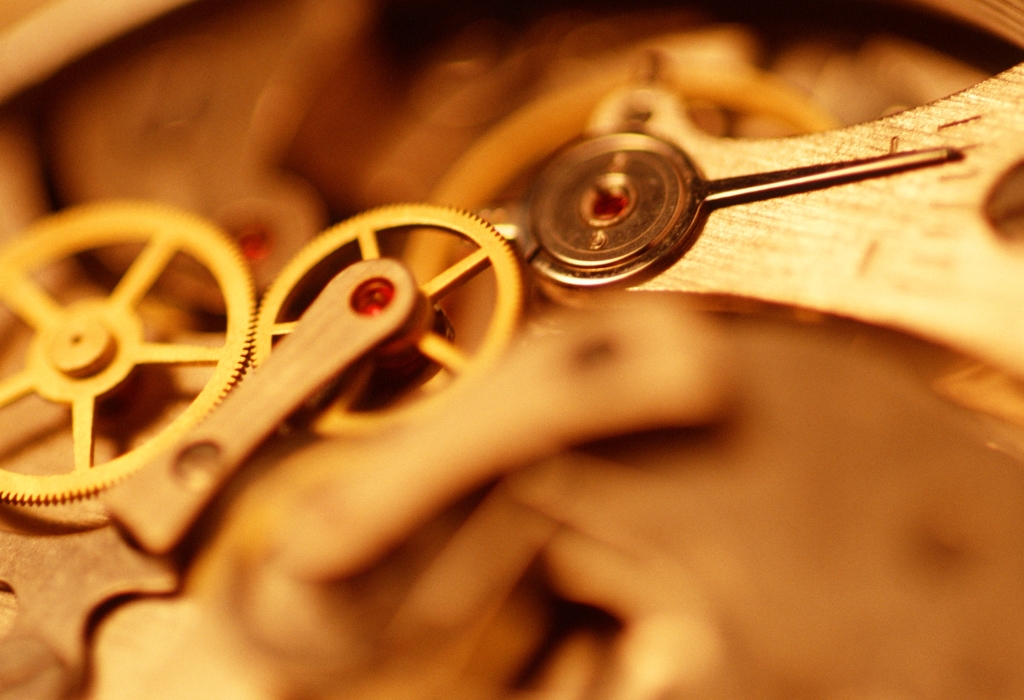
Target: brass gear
pixel 357 238
pixel 85 349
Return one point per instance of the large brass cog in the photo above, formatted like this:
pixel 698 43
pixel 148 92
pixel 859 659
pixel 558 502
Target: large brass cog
pixel 360 238
pixel 83 350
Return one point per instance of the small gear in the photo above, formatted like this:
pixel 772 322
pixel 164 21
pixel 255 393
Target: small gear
pixel 83 352
pixel 408 374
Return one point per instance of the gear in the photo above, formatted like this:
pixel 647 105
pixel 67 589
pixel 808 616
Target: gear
pixel 404 372
pixel 86 350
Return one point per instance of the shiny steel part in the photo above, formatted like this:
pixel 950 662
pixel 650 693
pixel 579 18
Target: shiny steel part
pixel 913 250
pixel 86 349
pixel 610 208
pixel 363 232
pixel 58 582
pixel 161 503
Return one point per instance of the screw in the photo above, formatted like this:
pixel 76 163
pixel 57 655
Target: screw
pixel 373 296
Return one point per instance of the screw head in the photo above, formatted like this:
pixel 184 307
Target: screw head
pixel 609 200
pixel 631 199
pixel 373 296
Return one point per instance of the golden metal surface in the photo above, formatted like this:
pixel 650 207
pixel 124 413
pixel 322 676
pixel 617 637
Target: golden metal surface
pixel 491 251
pixel 716 550
pixel 85 349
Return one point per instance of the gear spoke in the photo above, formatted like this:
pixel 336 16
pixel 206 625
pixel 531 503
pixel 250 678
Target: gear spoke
pixel 456 275
pixel 30 302
pixel 82 412
pixel 443 352
pixel 16 387
pixel 177 354
pixel 369 249
pixel 144 272
pixel 92 347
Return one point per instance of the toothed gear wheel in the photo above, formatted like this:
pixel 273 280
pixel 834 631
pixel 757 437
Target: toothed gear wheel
pixel 83 350
pixel 445 351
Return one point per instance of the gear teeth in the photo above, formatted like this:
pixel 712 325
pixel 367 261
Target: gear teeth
pixel 106 223
pixel 242 361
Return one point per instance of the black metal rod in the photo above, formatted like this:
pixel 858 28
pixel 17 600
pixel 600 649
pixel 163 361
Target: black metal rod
pixel 753 188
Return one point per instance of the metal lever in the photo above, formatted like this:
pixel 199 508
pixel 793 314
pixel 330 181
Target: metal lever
pixel 364 305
